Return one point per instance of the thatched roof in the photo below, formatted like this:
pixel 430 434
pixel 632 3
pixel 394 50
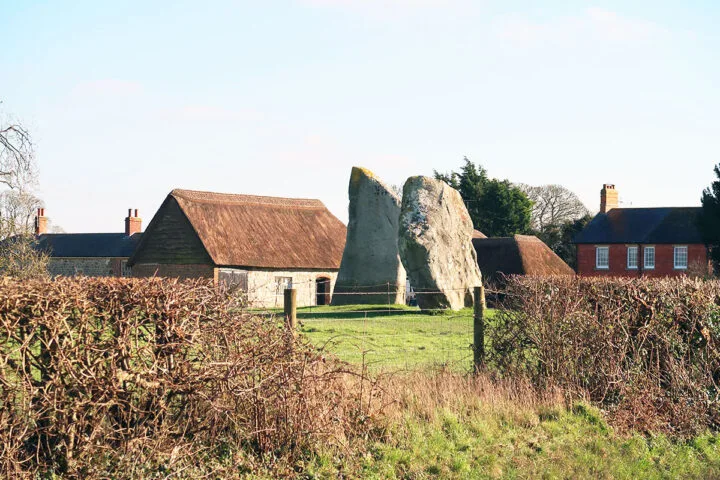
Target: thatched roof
pixel 517 255
pixel 264 232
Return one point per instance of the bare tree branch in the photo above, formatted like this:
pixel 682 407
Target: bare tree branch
pixel 553 205
pixel 18 172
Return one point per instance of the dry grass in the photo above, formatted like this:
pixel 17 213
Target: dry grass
pixel 423 395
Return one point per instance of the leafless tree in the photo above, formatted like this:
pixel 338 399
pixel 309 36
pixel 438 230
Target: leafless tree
pixel 17 212
pixel 397 189
pixel 20 258
pixel 18 204
pixel 553 205
pixel 18 169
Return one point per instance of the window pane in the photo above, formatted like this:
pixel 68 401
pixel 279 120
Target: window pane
pixel 680 257
pixel 632 257
pixel 282 283
pixel 649 257
pixel 601 257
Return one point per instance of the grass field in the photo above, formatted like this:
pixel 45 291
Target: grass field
pixel 392 337
pixel 445 426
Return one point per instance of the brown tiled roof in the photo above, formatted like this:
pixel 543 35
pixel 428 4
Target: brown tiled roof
pixel 264 232
pixel 517 255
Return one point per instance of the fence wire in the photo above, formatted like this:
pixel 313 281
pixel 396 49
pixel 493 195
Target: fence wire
pixel 386 337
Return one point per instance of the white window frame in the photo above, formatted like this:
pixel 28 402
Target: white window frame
pixel 282 283
pixel 599 248
pixel 676 249
pixel 632 248
pixel 647 249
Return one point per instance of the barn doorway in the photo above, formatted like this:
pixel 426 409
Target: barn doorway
pixel 322 289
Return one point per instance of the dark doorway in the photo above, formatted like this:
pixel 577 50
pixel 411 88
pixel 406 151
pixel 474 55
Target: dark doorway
pixel 322 289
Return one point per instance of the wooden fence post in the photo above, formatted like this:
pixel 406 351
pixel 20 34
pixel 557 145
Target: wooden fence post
pixel 479 328
pixel 291 310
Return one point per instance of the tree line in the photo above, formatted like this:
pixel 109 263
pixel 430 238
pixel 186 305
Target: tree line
pixel 499 208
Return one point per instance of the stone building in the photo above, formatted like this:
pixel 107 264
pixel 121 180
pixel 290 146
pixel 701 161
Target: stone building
pixel 89 254
pixel 632 242
pixel 261 245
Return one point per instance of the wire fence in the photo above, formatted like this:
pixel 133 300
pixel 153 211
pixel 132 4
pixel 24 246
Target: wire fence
pixel 386 337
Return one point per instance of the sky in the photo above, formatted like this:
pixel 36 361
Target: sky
pixel 128 100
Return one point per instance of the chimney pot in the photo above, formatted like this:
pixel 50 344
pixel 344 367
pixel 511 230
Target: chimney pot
pixel 40 222
pixel 608 198
pixel 133 224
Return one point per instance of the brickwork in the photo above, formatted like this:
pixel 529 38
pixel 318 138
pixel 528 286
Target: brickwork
pixel 174 270
pixel 664 262
pixel 609 198
pixel 88 266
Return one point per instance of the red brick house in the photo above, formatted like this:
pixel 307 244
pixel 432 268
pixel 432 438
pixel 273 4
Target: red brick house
pixel 633 242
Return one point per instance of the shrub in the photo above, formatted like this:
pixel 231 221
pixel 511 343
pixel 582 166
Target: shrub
pixel 107 376
pixel 646 349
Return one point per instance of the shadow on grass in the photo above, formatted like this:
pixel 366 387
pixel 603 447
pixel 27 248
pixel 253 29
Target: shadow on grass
pixel 361 311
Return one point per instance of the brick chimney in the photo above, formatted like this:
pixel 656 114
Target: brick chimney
pixel 608 198
pixel 41 222
pixel 133 223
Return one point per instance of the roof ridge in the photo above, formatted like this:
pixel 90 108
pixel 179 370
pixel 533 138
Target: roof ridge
pixel 238 199
pixel 651 208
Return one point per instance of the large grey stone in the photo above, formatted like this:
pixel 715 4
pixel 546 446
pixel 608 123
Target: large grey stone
pixel 370 270
pixel 435 244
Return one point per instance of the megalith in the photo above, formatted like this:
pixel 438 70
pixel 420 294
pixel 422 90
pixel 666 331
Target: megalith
pixel 370 270
pixel 435 243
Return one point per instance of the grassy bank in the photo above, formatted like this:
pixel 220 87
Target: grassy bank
pixel 554 443
pixel 446 425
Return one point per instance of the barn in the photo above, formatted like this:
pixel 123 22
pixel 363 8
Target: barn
pixel 261 245
pixel 517 255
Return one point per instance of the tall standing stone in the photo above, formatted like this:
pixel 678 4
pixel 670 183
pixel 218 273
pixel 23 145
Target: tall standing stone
pixel 435 244
pixel 370 270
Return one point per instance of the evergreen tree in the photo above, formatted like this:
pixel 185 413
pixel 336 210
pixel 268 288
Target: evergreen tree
pixel 496 207
pixel 709 221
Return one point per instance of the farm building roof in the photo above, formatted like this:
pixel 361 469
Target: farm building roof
pixel 88 244
pixel 517 255
pixel 262 232
pixel 643 225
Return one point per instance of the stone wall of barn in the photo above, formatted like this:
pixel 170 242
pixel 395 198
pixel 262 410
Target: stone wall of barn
pixel 88 266
pixel 265 287
pixel 173 270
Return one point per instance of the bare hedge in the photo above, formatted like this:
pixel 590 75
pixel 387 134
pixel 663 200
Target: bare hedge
pixel 647 350
pixel 101 377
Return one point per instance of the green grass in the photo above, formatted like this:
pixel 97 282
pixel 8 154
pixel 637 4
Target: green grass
pixel 390 337
pixel 476 440
pixel 561 443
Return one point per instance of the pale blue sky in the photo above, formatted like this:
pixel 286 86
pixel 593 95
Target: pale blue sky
pixel 128 100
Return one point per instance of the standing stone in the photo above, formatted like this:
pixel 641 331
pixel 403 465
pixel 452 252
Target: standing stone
pixel 435 244
pixel 370 270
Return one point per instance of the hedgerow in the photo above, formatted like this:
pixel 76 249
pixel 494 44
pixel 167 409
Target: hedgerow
pixel 117 377
pixel 646 350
